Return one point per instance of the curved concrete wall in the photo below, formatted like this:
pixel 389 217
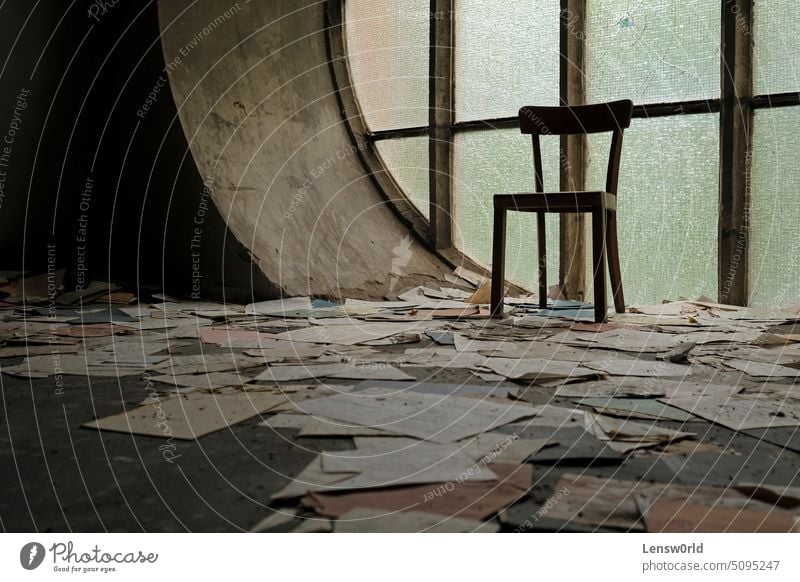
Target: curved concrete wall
pixel 257 102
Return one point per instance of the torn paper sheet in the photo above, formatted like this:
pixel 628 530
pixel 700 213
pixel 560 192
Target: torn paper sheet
pixel 278 305
pixel 619 367
pixel 536 370
pixel 572 446
pixel 538 350
pixel 322 427
pixel 628 388
pixel 201 381
pixel 286 420
pixel 188 416
pixel 626 435
pixel 739 412
pixel 470 277
pixel 762 370
pixel 205 363
pixel 494 447
pixel 223 335
pixel 441 357
pixel 393 340
pixel 68 364
pixel 37 350
pixel 423 416
pixel 133 346
pixel 636 408
pixel 466 499
pixel 290 373
pixel 549 415
pixel 385 462
pixel 632 340
pixel 612 504
pixel 288 352
pixel 351 333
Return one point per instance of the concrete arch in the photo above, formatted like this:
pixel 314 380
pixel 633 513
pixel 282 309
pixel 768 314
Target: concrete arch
pixel 256 99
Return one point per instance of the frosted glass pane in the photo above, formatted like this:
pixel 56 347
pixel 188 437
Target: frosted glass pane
pixel 500 162
pixel 667 206
pixel 506 56
pixel 652 52
pixel 407 160
pixel 388 50
pixel 774 243
pixel 777 44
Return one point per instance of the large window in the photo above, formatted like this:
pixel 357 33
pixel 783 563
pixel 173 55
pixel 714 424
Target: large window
pixel 388 51
pixel 660 53
pixel 773 240
pixel 707 193
pixel 652 52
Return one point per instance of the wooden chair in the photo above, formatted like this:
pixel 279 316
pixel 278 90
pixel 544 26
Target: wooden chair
pixel 584 119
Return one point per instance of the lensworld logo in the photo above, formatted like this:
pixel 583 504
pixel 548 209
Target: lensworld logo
pixel 31 555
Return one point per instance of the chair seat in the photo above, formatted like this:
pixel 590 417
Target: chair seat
pixel 613 117
pixel 556 201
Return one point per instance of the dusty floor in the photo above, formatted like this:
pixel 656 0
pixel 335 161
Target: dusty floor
pixel 60 476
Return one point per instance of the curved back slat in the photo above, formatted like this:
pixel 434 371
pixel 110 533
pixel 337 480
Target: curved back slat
pixel 580 119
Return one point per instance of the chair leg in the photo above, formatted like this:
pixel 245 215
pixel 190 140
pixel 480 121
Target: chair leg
pixel 498 261
pixel 542 246
pixel 614 271
pixel 599 263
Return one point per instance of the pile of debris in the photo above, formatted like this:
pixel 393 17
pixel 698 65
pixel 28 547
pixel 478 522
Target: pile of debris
pixel 444 412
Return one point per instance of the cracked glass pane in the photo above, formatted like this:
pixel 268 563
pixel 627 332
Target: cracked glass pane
pixel 507 56
pixel 652 52
pixel 388 52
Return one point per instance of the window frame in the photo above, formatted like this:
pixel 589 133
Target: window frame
pixel 735 106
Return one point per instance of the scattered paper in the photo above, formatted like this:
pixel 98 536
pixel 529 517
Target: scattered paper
pixel 384 462
pixel 739 412
pixel 188 416
pixel 362 520
pixel 619 367
pixel 465 499
pixel 423 416
pixel 612 504
pixel 626 435
pixel 762 370
pixel 278 305
pixel 201 381
pixel 537 370
pixel 668 516
pixel 343 371
pixel 636 408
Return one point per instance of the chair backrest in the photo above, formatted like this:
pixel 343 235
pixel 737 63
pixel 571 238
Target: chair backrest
pixel 614 116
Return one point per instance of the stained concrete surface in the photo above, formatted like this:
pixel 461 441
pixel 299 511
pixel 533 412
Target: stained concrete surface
pixel 257 101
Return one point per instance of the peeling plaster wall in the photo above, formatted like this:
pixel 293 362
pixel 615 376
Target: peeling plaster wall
pixel 256 99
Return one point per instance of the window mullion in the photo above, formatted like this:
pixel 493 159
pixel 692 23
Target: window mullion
pixel 736 121
pixel 574 162
pixel 441 119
